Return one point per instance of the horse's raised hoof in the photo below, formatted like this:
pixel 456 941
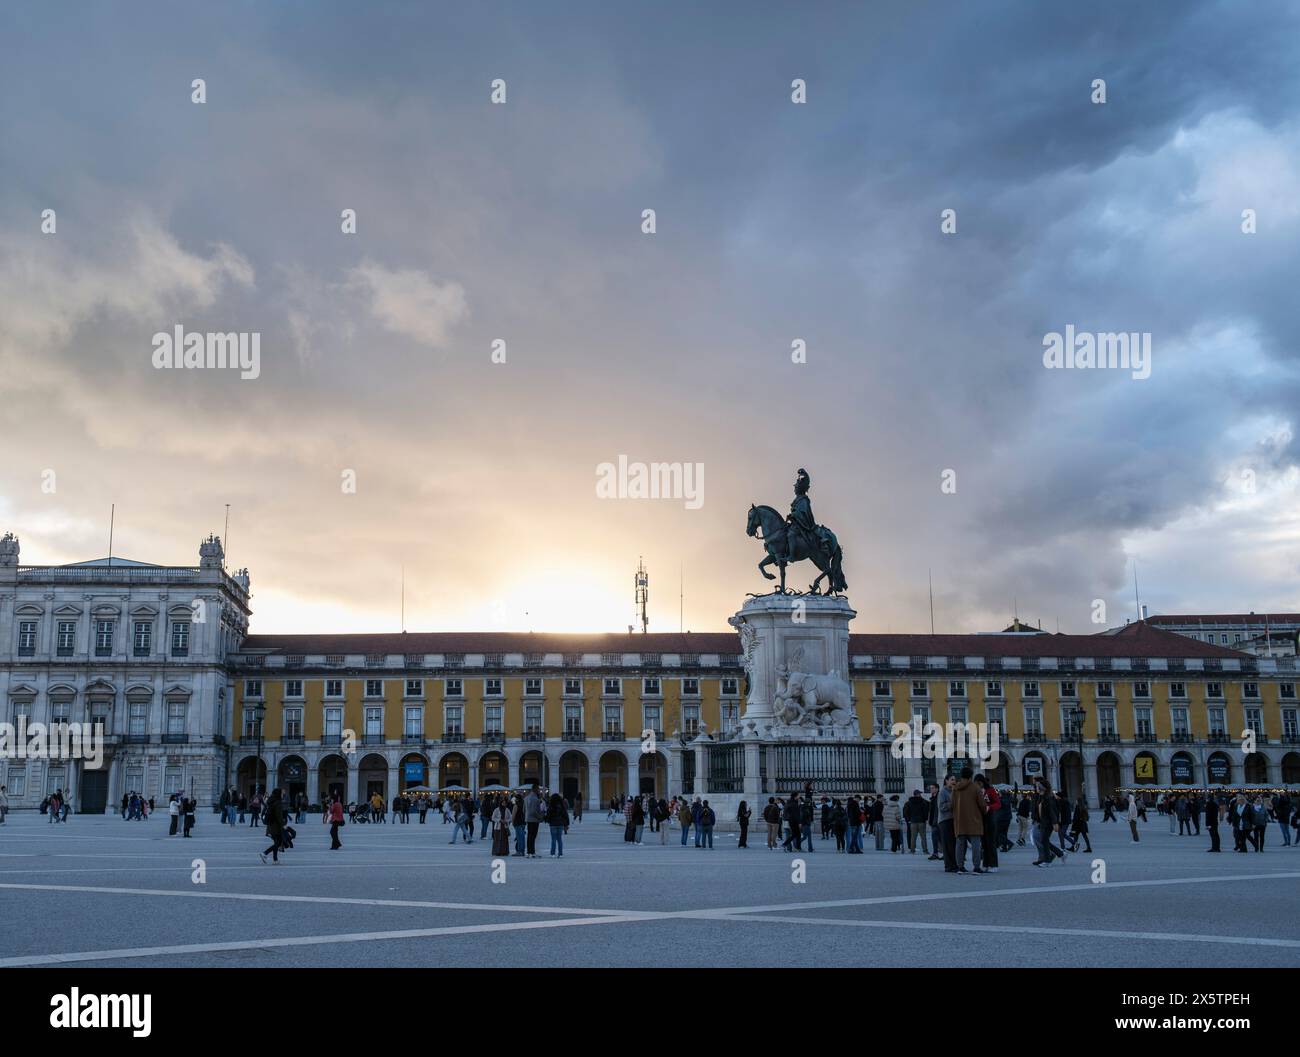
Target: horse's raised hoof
pixel 767 575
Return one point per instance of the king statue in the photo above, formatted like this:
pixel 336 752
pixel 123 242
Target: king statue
pixel 796 537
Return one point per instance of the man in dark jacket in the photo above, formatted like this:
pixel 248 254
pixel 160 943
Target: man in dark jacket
pixel 793 813
pixel 916 813
pixel 1212 809
pixel 932 820
pixel 274 820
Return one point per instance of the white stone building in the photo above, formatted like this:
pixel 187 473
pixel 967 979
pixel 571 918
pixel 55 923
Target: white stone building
pixel 137 650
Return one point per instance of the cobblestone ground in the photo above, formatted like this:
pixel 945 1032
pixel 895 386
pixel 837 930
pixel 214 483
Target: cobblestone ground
pixel 100 891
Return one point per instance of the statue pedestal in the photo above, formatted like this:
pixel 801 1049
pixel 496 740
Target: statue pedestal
pixel 797 659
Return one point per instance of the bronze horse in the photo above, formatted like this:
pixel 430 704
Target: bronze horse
pixel 825 553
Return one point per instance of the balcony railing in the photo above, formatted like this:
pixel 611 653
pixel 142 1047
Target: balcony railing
pixel 453 737
pixel 175 739
pixel 1034 738
pixel 248 739
pixel 372 739
pixel 613 735
pixel 292 739
pixel 1110 738
pixel 493 738
pixel 574 735
pixel 331 739
pixel 137 739
pixel 534 735
pixel 412 739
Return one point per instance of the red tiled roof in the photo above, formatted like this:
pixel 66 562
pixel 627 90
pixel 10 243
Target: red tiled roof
pixel 1225 618
pixel 495 642
pixel 1136 640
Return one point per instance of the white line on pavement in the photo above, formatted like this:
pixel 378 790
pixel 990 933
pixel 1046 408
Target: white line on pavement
pixel 298 941
pixel 1179 937
pixel 267 897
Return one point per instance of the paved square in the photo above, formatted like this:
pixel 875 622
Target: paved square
pixel 100 891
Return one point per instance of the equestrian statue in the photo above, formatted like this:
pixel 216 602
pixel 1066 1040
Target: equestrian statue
pixel 796 537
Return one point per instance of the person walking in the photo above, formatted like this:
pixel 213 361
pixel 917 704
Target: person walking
pixel 1282 813
pixel 4 803
pixel 1108 809
pixel 742 820
pixel 1024 813
pixel 807 817
pixel 1212 812
pixel 793 813
pixel 557 817
pixel 1133 813
pixel 174 811
pixel 968 811
pixel 187 809
pixel 534 815
pixel 1079 828
pixel 1047 821
pixel 1259 818
pixel 274 826
pixel 335 814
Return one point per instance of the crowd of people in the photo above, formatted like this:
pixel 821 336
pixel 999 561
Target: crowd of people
pixel 965 822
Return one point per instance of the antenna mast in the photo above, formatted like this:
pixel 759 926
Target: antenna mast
pixel 642 585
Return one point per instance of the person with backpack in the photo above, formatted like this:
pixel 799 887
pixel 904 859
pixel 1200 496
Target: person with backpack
pixel 707 820
pixel 557 817
pixel 520 824
pixel 187 809
pixel 807 815
pixel 684 819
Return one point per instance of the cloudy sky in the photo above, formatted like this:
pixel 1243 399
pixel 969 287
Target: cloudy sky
pixel 775 222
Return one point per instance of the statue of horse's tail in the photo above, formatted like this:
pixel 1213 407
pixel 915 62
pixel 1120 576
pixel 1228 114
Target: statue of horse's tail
pixel 838 583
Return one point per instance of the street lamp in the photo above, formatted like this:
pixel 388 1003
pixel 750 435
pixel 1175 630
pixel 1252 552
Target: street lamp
pixel 259 714
pixel 1078 714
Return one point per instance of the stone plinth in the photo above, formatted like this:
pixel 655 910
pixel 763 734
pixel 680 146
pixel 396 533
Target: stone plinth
pixel 797 659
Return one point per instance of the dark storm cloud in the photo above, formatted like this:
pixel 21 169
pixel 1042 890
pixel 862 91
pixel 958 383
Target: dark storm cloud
pixel 775 222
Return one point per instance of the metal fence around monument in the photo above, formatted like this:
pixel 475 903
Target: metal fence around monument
pixel 834 768
pixel 688 771
pixel 727 768
pixel 893 780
